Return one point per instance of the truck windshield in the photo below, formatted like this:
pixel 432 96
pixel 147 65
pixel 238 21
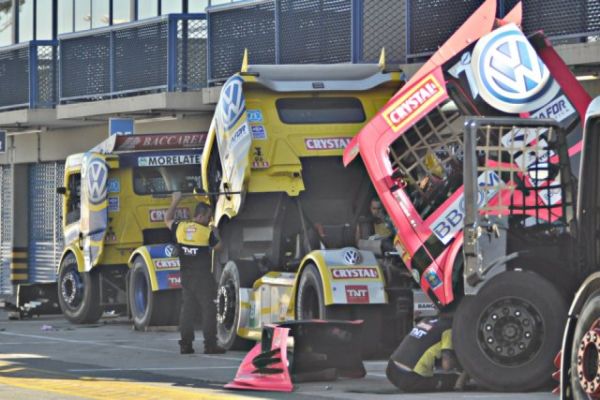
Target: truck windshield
pixel 428 158
pixel 163 180
pixel 320 110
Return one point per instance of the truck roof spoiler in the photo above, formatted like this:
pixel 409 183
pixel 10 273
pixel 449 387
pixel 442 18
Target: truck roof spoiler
pixel 151 141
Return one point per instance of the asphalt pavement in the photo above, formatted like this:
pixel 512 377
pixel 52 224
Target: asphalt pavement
pixel 46 358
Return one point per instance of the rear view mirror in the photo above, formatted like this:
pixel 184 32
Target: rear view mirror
pixel 61 190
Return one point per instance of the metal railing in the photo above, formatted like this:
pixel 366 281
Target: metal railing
pixel 28 75
pixel 161 54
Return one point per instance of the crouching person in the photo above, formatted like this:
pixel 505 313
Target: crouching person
pixel 425 361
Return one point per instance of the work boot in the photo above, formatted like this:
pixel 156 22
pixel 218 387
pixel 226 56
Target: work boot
pixel 185 348
pixel 213 349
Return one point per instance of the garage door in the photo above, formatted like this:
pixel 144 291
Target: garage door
pixel 45 210
pixel 6 229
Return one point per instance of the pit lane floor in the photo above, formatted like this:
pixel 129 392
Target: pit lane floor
pixel 48 358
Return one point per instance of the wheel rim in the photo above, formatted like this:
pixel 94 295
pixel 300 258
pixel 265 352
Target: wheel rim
pixel 309 304
pixel 71 288
pixel 511 332
pixel 140 293
pixel 588 355
pixel 226 299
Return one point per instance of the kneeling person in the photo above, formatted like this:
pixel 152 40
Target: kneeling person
pixel 194 239
pixel 412 367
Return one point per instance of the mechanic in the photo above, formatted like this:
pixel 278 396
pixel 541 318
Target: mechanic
pixel 425 360
pixel 377 226
pixel 195 239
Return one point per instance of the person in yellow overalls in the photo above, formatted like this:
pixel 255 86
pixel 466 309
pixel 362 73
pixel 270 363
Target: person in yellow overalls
pixel 194 240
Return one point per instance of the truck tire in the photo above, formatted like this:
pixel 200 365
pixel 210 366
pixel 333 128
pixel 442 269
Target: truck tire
pixel 310 299
pixel 585 350
pixel 78 293
pixel 507 335
pixel 235 275
pixel 149 308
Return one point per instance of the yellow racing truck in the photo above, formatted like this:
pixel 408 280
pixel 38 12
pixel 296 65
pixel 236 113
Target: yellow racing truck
pixel 118 253
pixel 288 210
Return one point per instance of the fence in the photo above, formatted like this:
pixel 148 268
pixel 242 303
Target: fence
pixel 28 75
pixel 160 54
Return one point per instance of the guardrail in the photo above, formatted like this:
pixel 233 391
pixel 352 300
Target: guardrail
pixel 28 73
pixel 161 54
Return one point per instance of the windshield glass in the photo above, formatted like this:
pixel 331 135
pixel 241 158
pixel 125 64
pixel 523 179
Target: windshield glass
pixel 164 180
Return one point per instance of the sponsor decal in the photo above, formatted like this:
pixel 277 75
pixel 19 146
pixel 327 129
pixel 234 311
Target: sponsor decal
pixel 424 306
pixel 451 221
pixel 113 204
pixel 158 214
pixel 166 263
pixel 417 333
pixel 159 161
pixel 113 185
pixel 238 135
pixel 558 109
pixel 433 279
pixel 351 257
pixel 233 104
pixel 189 232
pixel 326 143
pixel 97 175
pixel 174 281
pixel 258 132
pixel 355 273
pixel 357 294
pixel 158 141
pixel 409 106
pixel 254 116
pixel 509 74
pixel 170 250
pixel 189 251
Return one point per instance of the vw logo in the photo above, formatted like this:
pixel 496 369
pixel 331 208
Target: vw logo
pixel 510 75
pixel 170 250
pixel 233 103
pixel 97 175
pixel 351 257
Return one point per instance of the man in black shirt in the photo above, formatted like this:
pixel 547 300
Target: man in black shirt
pixel 412 367
pixel 195 239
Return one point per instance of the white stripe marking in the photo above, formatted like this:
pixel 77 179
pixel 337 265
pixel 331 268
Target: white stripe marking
pixel 151 369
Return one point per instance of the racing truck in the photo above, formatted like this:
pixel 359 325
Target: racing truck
pixel 118 253
pixel 506 274
pixel 288 210
pixel 579 360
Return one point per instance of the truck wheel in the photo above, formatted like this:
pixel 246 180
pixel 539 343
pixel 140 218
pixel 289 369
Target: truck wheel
pixel 507 335
pixel 585 352
pixel 235 275
pixel 78 293
pixel 310 299
pixel 147 307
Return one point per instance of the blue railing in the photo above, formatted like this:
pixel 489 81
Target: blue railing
pixel 28 75
pixel 181 52
pixel 167 53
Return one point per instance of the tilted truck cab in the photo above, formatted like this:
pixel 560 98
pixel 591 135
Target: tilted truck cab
pixel 414 151
pixel 287 208
pixel 118 253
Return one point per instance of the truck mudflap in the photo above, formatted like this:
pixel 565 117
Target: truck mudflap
pixel 349 276
pixel 162 263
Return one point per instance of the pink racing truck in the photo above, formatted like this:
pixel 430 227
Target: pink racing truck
pixel 506 277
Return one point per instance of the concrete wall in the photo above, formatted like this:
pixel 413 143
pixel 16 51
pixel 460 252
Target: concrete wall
pixel 57 144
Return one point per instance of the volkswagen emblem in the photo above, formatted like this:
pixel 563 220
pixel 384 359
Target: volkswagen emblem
pixel 351 257
pixel 170 250
pixel 97 176
pixel 510 75
pixel 232 104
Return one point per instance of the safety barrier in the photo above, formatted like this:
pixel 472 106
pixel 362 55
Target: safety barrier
pixel 28 73
pixel 161 54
